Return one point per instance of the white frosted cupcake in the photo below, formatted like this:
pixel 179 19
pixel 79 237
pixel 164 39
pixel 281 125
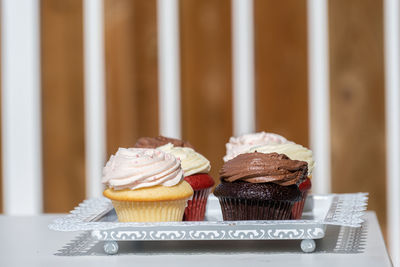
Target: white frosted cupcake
pixel 195 170
pixel 243 143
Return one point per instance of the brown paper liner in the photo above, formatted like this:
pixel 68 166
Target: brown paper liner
pixel 235 209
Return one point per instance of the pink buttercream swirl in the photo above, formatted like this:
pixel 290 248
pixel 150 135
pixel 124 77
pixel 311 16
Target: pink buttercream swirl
pixel 133 168
pixel 242 144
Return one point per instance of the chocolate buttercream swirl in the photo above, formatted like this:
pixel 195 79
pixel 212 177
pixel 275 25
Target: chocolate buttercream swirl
pixel 264 168
pixel 153 142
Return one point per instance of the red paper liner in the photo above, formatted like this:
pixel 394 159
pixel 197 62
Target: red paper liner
pixel 196 208
pixel 236 209
pixel 298 206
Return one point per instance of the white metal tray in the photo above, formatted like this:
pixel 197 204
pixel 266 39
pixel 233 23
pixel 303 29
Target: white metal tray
pixel 98 216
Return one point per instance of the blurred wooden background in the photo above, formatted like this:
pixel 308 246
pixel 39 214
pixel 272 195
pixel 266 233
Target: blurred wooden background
pixel 356 80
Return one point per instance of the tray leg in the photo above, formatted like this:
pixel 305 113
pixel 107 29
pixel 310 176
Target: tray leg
pixel 110 247
pixel 307 245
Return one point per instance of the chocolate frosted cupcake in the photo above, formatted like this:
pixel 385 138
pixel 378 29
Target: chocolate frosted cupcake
pixel 296 152
pixel 153 142
pixel 258 186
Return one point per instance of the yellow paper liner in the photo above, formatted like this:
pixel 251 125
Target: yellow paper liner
pixel 141 211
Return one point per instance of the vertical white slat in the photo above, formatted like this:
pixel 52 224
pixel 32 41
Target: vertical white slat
pixel 243 67
pixel 169 68
pixel 392 104
pixel 95 135
pixel 318 76
pixel 21 107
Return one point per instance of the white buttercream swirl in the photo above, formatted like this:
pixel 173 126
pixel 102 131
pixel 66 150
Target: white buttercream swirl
pixel 242 144
pixel 292 150
pixel 133 168
pixel 191 161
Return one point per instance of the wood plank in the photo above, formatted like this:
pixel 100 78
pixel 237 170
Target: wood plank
pixel 62 102
pixel 281 68
pixel 357 100
pixel 131 71
pixel 206 84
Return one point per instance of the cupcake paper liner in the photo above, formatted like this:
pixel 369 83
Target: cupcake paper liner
pixel 235 209
pixel 196 207
pixel 142 211
pixel 298 206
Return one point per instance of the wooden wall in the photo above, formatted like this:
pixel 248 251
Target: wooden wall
pixel 206 78
pixel 356 80
pixel 281 68
pixel 357 99
pixel 62 110
pixel 131 71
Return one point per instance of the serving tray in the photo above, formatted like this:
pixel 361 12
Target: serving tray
pixel 98 216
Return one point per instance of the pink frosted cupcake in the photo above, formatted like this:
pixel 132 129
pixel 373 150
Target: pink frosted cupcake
pixel 146 185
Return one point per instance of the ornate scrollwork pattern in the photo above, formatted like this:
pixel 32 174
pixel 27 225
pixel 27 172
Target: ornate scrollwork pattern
pixel 207 235
pixel 167 235
pixel 285 233
pixel 246 234
pixel 98 217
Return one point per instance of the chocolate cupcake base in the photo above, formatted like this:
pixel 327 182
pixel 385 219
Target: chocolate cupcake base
pixel 236 209
pixel 251 201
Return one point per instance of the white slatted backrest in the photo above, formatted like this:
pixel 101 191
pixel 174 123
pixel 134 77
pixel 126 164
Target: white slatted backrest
pixel 95 130
pixel 169 68
pixel 21 119
pixel 243 67
pixel 392 104
pixel 169 88
pixel 318 76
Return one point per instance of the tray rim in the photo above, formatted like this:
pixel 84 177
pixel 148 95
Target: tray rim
pixel 345 210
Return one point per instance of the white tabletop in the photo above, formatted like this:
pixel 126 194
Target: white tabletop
pixel 26 241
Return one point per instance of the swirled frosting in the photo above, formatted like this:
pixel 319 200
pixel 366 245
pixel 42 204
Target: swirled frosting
pixel 242 144
pixel 153 142
pixel 133 168
pixel 264 168
pixel 191 161
pixel 292 150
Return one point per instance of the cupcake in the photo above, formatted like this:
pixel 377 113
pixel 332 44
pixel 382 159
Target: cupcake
pixel 195 169
pixel 258 186
pixel 298 206
pixel 295 152
pixel 267 143
pixel 153 142
pixel 146 185
pixel 242 144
